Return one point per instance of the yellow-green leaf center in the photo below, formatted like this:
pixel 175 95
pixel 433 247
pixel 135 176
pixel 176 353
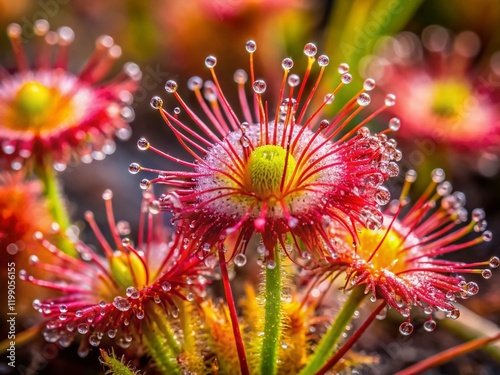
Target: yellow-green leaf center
pixel 265 169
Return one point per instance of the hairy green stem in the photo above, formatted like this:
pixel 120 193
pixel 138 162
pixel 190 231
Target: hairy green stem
pixel 161 343
pixel 329 341
pixel 57 207
pixel 272 317
pixel 352 340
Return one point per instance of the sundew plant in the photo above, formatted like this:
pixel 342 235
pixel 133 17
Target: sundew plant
pixel 273 224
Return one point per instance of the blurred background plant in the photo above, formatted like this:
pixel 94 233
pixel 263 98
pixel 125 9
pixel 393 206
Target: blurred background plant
pixel 170 40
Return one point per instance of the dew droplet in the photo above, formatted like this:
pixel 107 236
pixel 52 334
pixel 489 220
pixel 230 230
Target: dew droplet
pixel 486 273
pixel 140 314
pixel 251 46
pixel 411 175
pixel 444 188
pixel 310 49
pixel 121 303
pixel 166 286
pixel 134 168
pixel 171 86
pixel 369 84
pixel 271 264
pixel 390 100
pixel 287 63
pixel 382 196
pixel 343 68
pixel 83 328
pixel 478 214
pixel 259 86
pixel 438 175
pixel 132 292
pixel 292 222
pixel 323 60
pixel 494 262
pixel 406 328
pixel 107 195
pixel 487 236
pixel 240 76
pixel 145 184
pixel 154 207
pixel 394 124
pixel 142 144
pixel 293 80
pixel 240 260
pixel 454 314
pixel 156 102
pixel 112 333
pixel 364 99
pixel 329 98
pixel 194 83
pixel 94 340
pixel 210 61
pixel 472 288
pixel 430 325
pixel 346 78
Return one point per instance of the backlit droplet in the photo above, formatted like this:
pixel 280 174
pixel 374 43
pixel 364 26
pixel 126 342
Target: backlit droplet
pixel 240 260
pixel 487 236
pixel 323 60
pixel 406 328
pixel 195 83
pixel 210 61
pixel 156 102
pixel 382 196
pixel 343 68
pixel 287 63
pixel 369 84
pixel 107 195
pixel 394 124
pixel 145 184
pixel 251 46
pixel 83 328
pixel 293 80
pixel 271 264
pixel 486 273
pixel 454 314
pixel 134 168
pixel 121 303
pixel 438 175
pixel 472 288
pixel 390 100
pixel 171 86
pixel 478 214
pixel 142 144
pixel 364 99
pixel 346 78
pixel 259 86
pixel 94 340
pixel 112 333
pixel 494 262
pixel 132 292
pixel 240 76
pixel 166 286
pixel 310 49
pixel 154 207
pixel 430 325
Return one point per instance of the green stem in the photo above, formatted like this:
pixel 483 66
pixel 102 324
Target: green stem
pixel 160 341
pixel 56 206
pixel 329 341
pixel 272 317
pixel 158 347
